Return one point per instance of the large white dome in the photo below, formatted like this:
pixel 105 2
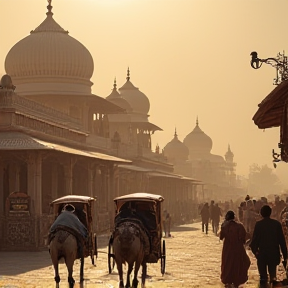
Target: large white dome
pixel 49 61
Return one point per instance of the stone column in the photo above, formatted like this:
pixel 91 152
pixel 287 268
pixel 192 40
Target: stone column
pixel 14 177
pixel 38 183
pixel 54 181
pixel 31 188
pixel 91 178
pixel 68 171
pixel 34 181
pixel 111 193
pixel 2 200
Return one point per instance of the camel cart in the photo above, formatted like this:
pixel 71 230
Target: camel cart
pixel 145 210
pixel 84 210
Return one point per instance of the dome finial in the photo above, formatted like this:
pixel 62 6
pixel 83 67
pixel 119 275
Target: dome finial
pixel 128 74
pixel 49 7
pixel 115 85
pixel 197 122
pixel 175 134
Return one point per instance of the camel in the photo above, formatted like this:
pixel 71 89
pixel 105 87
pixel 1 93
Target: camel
pixel 67 240
pixel 129 247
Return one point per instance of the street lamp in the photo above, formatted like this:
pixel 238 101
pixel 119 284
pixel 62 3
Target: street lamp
pixel 280 63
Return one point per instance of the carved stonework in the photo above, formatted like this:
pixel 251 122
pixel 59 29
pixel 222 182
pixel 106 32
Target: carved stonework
pixel 20 232
pixel 42 126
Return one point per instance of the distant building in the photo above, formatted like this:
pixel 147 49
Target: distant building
pixel 193 158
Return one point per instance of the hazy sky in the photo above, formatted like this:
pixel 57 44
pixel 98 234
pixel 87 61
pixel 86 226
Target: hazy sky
pixel 190 57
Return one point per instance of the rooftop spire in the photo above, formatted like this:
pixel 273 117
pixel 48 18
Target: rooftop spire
pixel 128 74
pixel 115 85
pixel 175 134
pixel 197 122
pixel 49 7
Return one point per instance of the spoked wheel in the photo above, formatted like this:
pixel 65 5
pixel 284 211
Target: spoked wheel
pixel 163 258
pixel 111 261
pixel 93 248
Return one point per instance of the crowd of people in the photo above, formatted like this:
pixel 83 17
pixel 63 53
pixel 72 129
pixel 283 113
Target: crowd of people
pixel 260 226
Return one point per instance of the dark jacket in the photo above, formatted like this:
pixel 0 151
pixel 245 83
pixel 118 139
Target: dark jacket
pixel 267 240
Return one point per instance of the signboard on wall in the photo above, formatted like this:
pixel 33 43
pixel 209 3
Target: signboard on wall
pixel 18 204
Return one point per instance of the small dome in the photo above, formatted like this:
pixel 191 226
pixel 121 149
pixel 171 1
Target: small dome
pixel 6 83
pixel 137 100
pixel 198 141
pixel 49 58
pixel 116 99
pixel 175 149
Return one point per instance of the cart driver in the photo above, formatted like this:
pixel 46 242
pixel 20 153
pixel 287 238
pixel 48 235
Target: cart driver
pixel 68 221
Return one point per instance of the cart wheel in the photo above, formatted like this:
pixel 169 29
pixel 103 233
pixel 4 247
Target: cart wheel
pixel 110 255
pixel 95 246
pixel 91 251
pixel 163 258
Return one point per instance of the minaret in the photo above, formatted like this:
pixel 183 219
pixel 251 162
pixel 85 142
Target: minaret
pixel 229 156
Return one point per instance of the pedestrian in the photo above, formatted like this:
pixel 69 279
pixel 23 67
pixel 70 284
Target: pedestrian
pixel 205 215
pixel 240 211
pixel 235 261
pixel 217 213
pixel 166 223
pixel 211 213
pixel 267 240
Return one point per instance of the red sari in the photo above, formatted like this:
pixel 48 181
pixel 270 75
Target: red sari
pixel 235 261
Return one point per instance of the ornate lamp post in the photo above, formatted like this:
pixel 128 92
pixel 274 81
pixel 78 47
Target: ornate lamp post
pixel 280 63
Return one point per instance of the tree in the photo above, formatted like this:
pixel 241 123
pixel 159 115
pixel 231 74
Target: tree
pixel 262 181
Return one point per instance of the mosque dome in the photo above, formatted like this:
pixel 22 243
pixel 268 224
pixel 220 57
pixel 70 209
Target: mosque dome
pixel 50 61
pixel 116 99
pixel 198 141
pixel 175 149
pixel 138 101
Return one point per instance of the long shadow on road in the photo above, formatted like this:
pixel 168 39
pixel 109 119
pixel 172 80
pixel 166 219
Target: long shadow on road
pixel 14 263
pixel 183 228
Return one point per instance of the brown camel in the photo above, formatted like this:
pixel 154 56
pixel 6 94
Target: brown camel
pixel 129 248
pixel 64 245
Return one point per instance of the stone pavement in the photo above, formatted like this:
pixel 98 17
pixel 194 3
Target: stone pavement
pixel 193 259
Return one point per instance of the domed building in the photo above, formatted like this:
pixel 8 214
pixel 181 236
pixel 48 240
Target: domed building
pixel 175 150
pixel 133 126
pixel 61 80
pixel 177 153
pixel 217 173
pixel 198 143
pixel 58 139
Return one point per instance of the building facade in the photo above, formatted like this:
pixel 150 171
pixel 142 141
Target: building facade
pixel 58 138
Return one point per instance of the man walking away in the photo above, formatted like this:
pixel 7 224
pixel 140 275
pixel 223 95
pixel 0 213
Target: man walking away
pixel 267 240
pixel 205 215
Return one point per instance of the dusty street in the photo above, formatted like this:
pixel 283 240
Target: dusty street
pixel 193 260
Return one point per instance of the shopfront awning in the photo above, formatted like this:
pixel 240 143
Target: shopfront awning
pixel 19 141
